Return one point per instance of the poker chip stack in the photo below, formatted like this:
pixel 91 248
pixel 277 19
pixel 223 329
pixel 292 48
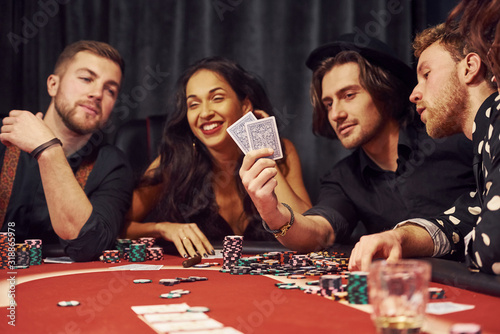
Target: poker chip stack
pixel 231 250
pixel 154 253
pixel 149 242
pixel 22 256
pixel 357 287
pixel 137 253
pixel 126 253
pixel 35 251
pixel 329 284
pixel 240 270
pixel 300 261
pixel 111 256
pixel 4 250
pixel 286 256
pixel 121 245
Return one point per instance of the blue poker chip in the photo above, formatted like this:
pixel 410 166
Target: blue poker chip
pixel 68 303
pixel 170 295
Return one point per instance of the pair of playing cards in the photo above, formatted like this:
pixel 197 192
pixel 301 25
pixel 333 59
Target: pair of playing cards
pixel 249 133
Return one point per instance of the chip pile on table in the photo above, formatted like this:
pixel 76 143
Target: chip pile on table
pixel 357 289
pixel 123 246
pixel 22 256
pixel 35 251
pixel 287 263
pixel 4 250
pixel 138 250
pixel 231 252
pixel 332 267
pixel 111 256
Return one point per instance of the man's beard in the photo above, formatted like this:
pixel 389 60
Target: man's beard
pixel 446 116
pixel 68 116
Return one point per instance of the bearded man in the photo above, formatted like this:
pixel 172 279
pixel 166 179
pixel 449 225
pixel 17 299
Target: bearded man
pixel 59 182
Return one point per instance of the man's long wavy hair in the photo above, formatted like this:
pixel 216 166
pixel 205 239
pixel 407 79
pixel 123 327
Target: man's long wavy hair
pixel 186 167
pixel 389 93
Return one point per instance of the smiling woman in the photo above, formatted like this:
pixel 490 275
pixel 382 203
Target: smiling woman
pixel 212 107
pixel 192 192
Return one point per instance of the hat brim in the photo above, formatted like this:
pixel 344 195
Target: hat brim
pixel 382 59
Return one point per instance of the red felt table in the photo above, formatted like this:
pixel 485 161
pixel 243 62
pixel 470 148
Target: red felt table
pixel 251 304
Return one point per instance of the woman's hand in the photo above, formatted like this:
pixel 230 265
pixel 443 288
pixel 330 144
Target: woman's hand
pixel 187 238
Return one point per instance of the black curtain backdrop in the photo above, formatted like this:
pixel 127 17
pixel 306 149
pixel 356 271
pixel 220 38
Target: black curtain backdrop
pixel 159 38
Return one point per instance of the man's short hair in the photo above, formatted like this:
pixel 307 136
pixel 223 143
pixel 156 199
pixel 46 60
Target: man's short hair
pixel 452 41
pixel 98 48
pixel 390 94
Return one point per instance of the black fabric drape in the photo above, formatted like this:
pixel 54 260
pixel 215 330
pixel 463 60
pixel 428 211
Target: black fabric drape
pixel 159 38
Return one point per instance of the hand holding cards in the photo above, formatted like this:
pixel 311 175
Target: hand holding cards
pixel 249 133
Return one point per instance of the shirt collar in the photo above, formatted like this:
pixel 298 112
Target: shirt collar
pixel 482 120
pixel 407 137
pixel 88 151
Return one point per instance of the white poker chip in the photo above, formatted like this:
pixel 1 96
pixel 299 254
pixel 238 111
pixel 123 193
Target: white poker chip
pixel 202 265
pixel 68 303
pixel 181 292
pixel 142 281
pixel 198 309
pixel 169 281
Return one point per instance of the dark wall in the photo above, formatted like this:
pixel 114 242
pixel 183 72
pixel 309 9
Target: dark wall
pixel 159 38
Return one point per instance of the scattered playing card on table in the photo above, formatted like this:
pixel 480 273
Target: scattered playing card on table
pixel 238 132
pixel 263 133
pixel 447 307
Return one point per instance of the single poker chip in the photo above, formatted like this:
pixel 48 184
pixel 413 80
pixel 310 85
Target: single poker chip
pixel 283 284
pixel 296 276
pixel 198 309
pixel 312 282
pixel 170 295
pixel 202 265
pixel 213 264
pixel 169 281
pixel 142 281
pixel 181 292
pixel 68 303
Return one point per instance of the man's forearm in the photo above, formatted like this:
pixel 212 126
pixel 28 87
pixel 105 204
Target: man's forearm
pixel 69 207
pixel 307 234
pixel 415 240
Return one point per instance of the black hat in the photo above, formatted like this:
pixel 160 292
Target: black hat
pixel 373 50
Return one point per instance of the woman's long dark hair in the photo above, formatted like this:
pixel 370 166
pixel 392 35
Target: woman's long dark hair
pixel 186 166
